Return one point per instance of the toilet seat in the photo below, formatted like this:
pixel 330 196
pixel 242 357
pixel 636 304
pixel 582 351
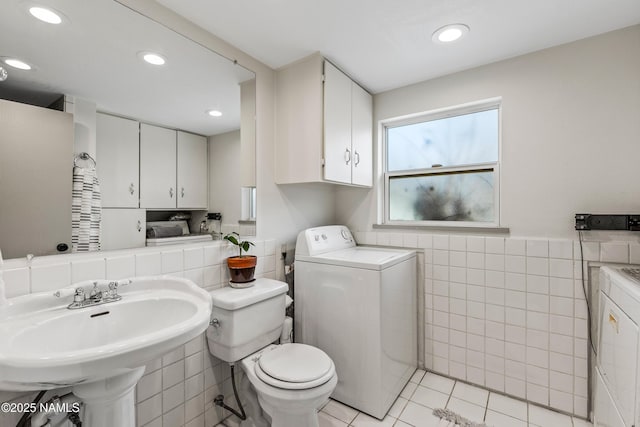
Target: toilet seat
pixel 294 367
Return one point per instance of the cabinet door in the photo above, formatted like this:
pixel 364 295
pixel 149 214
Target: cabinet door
pixel 157 167
pixel 299 124
pixel 337 125
pixel 361 136
pixel 192 171
pixel 118 161
pixel 122 228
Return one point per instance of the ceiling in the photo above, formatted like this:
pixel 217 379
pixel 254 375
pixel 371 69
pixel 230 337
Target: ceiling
pixel 385 44
pixel 93 55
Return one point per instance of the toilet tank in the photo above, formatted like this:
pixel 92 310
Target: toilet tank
pixel 247 319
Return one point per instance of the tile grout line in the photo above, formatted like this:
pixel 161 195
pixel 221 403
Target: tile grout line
pixel 486 407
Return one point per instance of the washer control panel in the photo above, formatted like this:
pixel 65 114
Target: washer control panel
pixel 315 241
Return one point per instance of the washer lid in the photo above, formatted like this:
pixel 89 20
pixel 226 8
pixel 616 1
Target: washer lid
pixel 369 258
pixel 295 363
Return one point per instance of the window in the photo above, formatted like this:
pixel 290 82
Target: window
pixel 442 167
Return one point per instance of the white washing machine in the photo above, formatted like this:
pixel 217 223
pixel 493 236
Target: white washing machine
pixel 358 304
pixel 616 400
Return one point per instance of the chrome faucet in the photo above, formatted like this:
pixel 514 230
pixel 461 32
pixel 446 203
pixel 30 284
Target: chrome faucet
pixel 96 296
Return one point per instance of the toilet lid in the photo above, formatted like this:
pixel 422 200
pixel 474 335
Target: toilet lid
pixel 296 363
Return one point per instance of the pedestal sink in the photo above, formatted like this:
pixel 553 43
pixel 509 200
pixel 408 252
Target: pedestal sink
pixel 100 350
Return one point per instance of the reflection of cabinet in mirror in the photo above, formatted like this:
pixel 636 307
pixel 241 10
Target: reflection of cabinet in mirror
pixel 122 228
pixel 192 171
pixel 118 160
pixel 36 152
pixel 173 169
pixel 323 126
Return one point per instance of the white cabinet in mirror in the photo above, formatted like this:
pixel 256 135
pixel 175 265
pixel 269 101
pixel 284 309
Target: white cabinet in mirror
pixel 107 95
pixel 173 169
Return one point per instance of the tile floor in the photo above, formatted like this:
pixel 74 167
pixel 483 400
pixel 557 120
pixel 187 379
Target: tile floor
pixel 426 391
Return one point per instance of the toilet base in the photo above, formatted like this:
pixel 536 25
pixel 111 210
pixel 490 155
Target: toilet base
pixel 255 415
pixel 307 420
pixel 283 416
pixel 281 407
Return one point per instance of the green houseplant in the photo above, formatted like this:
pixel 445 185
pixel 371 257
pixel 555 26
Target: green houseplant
pixel 242 267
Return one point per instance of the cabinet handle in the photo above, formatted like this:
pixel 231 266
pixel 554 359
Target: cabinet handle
pixel 171 192
pixel 356 157
pixel 182 192
pixel 132 189
pixel 347 156
pixel 139 226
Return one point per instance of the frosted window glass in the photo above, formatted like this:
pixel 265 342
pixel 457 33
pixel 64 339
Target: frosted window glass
pixel 452 141
pixel 462 196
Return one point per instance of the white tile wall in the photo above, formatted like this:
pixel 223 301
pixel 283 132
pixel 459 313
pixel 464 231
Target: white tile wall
pixel 178 388
pixel 509 313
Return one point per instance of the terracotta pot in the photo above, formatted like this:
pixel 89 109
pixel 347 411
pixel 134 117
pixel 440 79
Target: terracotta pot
pixel 242 269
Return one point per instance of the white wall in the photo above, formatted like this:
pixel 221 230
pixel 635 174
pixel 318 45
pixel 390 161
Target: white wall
pixel 84 119
pixel 509 313
pixel 570 132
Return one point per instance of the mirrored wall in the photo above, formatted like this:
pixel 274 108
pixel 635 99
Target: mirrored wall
pixel 97 61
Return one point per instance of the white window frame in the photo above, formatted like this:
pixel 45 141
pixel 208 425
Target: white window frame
pixel 474 107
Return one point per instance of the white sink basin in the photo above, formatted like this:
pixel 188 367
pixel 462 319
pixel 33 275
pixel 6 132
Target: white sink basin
pixel 44 345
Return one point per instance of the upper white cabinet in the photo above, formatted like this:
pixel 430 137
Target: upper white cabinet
pixel 338 154
pixel 323 126
pixel 157 167
pixel 361 136
pixel 118 154
pixel 192 171
pixel 173 169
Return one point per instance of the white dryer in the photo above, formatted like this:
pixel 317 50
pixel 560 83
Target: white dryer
pixel 616 400
pixel 358 304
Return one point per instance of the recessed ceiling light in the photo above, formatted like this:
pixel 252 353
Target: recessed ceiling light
pixel 214 113
pixel 16 63
pixel 450 33
pixel 153 58
pixel 3 74
pixel 45 15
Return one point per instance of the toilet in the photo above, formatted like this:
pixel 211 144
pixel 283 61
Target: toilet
pixel 291 381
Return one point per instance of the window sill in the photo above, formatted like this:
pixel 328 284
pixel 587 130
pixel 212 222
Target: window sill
pixel 448 228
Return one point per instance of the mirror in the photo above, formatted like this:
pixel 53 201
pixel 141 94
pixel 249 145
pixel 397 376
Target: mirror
pixel 92 63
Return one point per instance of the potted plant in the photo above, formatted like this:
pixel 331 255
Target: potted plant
pixel 241 267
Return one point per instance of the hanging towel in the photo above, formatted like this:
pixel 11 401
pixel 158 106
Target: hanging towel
pixel 86 210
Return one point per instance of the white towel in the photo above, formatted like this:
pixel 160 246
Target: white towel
pixel 86 211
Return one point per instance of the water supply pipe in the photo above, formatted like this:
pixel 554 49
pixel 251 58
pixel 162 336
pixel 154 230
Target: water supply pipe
pixel 57 405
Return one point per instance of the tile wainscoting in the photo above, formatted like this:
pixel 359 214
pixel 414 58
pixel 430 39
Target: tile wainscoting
pixel 178 388
pixel 508 314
